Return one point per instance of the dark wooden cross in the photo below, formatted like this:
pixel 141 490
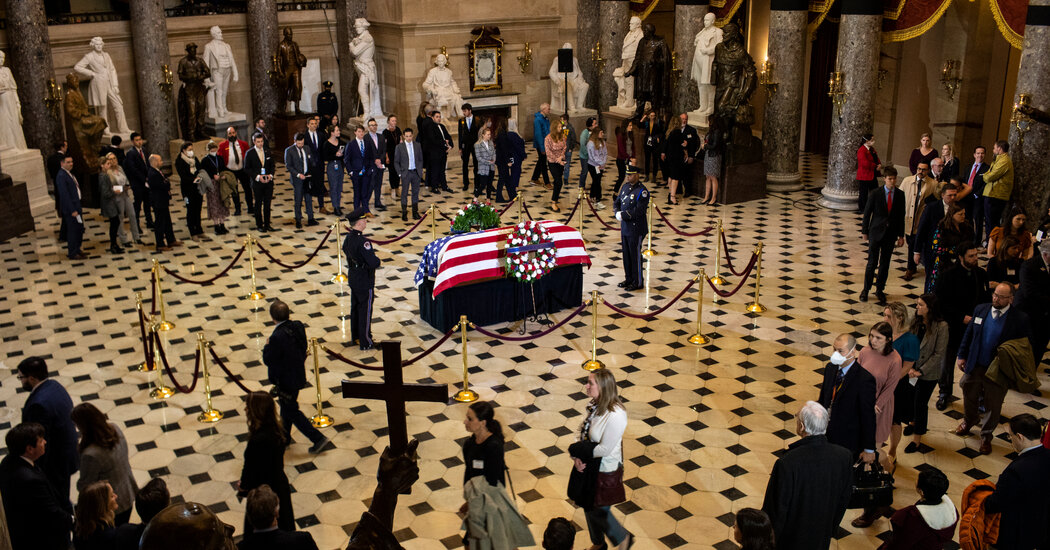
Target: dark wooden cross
pixel 396 393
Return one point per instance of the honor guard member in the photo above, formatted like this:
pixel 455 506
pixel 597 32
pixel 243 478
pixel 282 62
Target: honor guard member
pixel 361 263
pixel 327 104
pixel 630 205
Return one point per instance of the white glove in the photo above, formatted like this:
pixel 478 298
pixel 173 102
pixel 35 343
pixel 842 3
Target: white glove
pixel 619 216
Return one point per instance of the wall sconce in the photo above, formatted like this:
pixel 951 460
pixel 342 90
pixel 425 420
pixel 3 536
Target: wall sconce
pixel 676 71
pixel 168 83
pixel 525 59
pixel 765 77
pixel 596 57
pixel 53 97
pixel 1019 117
pixel 950 77
pixel 837 90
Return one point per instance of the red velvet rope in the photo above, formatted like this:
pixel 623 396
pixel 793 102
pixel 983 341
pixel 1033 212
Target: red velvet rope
pixel 167 367
pixel 213 279
pixel 682 233
pixel 525 207
pixel 599 218
pixel 573 213
pixel 491 334
pixel 729 260
pixel 348 361
pixel 651 314
pixel 145 343
pixel 505 208
pixel 298 265
pixel 431 349
pixel 443 215
pixel 152 294
pixel 743 279
pixel 222 366
pixel 403 235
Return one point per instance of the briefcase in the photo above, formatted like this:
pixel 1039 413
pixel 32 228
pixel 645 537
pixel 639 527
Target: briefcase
pixel 871 488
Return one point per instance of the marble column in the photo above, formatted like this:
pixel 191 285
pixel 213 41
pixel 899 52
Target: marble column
pixel 149 38
pixel 860 30
pixel 30 62
pixel 782 123
pixel 1031 173
pixel 688 20
pixel 345 13
pixel 587 33
pixel 262 28
pixel 613 17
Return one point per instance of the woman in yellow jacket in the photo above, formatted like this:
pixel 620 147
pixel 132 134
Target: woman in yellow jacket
pixel 998 184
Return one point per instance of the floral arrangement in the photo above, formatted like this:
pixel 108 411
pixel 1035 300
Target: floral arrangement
pixel 528 265
pixel 477 213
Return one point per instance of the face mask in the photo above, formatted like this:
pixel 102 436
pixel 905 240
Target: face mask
pixel 189 154
pixel 837 358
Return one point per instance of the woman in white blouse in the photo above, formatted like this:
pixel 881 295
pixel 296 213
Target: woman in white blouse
pixel 605 423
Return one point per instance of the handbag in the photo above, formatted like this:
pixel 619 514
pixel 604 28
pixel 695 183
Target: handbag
pixel 871 488
pixel 609 490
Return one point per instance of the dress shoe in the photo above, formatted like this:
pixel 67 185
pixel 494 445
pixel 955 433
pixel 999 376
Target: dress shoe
pixel 415 211
pixel 622 284
pixel 321 446
pixel 311 222
pixel 962 430
pixel 911 448
pixel 942 403
pixel 909 275
pixel 632 288
pixel 548 186
pixel 880 297
pixel 298 224
pixel 864 296
pixel 368 347
pixel 128 245
pixel 270 228
pixel 865 519
pixel 176 243
pixel 140 241
pixel 381 207
pixel 116 250
pixel 986 447
pixel 260 229
pixel 323 210
pixel 404 214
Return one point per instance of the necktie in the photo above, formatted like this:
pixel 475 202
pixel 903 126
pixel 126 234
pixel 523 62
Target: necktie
pixel 889 201
pixel 236 154
pixel 76 183
pixel 411 157
pixel 362 145
pixel 839 376
pixel 973 174
pixel 995 314
pixel 302 156
pixel 143 155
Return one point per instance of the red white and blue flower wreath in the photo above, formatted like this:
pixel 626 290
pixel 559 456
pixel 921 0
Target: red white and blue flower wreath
pixel 531 253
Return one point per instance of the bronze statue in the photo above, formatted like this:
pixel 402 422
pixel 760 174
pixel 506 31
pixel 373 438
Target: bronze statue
pixel 85 125
pixel 289 70
pixel 735 80
pixel 396 475
pixel 194 74
pixel 651 70
pixel 187 525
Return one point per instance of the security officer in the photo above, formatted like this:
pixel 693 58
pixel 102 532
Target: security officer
pixel 361 263
pixel 327 104
pixel 630 206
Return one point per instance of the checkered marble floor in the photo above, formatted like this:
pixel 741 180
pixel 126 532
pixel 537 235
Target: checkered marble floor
pixel 706 423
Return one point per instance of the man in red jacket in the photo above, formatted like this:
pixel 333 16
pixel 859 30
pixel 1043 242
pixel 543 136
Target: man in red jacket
pixel 232 153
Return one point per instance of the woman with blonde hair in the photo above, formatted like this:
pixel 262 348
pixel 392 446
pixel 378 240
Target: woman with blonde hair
pixel 264 457
pixel 951 163
pixel 96 506
pixel 117 204
pixel 922 154
pixel 555 146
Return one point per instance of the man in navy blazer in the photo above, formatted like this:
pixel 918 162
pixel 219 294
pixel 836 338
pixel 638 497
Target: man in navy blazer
pixel 972 194
pixel 992 325
pixel 360 160
pixel 1020 494
pixel 883 229
pixel 49 405
pixel 136 167
pixel 38 516
pixel 299 162
pixel 67 188
pixel 262 513
pixel 848 393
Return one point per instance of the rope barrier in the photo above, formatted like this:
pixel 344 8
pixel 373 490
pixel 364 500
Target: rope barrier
pixel 680 232
pixel 222 366
pixel 505 208
pixel 206 281
pixel 167 367
pixel 573 213
pixel 651 314
pixel 431 349
pixel 145 343
pixel 444 215
pixel 298 265
pixel 525 207
pixel 405 234
pixel 152 294
pixel 729 260
pixel 599 218
pixel 497 336
pixel 348 361
pixel 743 279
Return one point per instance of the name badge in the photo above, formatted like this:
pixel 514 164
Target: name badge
pixel 1011 272
pixel 978 320
pixel 478 464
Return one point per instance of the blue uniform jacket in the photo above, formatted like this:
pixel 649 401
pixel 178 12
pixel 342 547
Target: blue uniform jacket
pixel 632 202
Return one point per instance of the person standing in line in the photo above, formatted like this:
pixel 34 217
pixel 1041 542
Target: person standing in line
pixel 928 524
pixel 332 154
pixel 285 358
pixel 680 151
pixel 918 191
pixel 949 163
pixel 484 163
pixel 951 231
pixel 49 405
pixel 408 164
pixel 122 198
pixel 54 164
pixel 998 184
pixel 298 162
pixel 232 153
pixel 437 145
pixel 554 145
pixel 932 331
pixel 571 140
pixel 264 457
pixel 160 195
pixel 848 394
pixel 714 147
pixel 753 531
pixel 217 210
pixel 928 223
pixel 971 195
pixel 624 151
pixel 868 165
pixel 136 167
pixel 68 190
pixel 315 137
pixel 376 142
pixel 149 501
pixel 964 285
pixel 39 515
pixel 104 457
pixel 1012 226
pixel 469 128
pixel 392 136
pixel 630 207
pixel 1020 493
pixel 597 158
pixel 109 193
pixel 361 262
pixel 1033 297
pixel 263 511
pixel 358 164
pixel 541 127
pixel 590 126
pixel 923 154
pixel 510 154
pixel 906 344
pixel 259 167
pixel 187 166
pixel 883 230
pixel 96 508
pixel 653 146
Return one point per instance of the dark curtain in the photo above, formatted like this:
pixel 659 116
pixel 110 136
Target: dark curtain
pixel 818 104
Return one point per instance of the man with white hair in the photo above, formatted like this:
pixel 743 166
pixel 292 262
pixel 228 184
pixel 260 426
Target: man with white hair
pixel 103 90
pixel 810 485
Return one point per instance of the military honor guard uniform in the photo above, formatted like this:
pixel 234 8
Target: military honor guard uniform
pixel 362 263
pixel 630 205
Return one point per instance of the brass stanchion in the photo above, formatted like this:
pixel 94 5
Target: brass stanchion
pixel 594 364
pixel 433 223
pixel 319 420
pixel 254 294
pixel 700 338
pixel 465 395
pixel 756 306
pixel 649 252
pixel 209 414
pixel 164 325
pixel 148 364
pixel 521 199
pixel 339 276
pixel 159 391
pixel 580 208
pixel 718 279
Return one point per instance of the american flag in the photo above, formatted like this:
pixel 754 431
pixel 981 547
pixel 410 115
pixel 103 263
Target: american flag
pixel 462 259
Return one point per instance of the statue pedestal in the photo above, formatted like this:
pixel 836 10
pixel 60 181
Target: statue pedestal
pixel 15 217
pixel 216 126
pixel 285 127
pixel 26 165
pixel 698 120
pixel 742 183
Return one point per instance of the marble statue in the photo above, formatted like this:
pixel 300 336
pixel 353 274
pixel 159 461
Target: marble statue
pixel 290 63
pixel 703 60
pixel 735 80
pixel 187 525
pixel 218 56
pixel 625 84
pixel 82 123
pixel 11 136
pixel 363 48
pixel 442 90
pixel 194 74
pixel 651 70
pixel 577 86
pixel 397 473
pixel 103 90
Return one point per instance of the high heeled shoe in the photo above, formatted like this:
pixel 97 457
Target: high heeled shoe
pixel 555 207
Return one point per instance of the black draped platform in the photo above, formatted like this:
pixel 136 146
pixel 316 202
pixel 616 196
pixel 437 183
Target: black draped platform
pixel 501 300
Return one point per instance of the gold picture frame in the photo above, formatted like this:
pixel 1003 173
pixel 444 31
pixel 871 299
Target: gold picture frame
pixel 486 59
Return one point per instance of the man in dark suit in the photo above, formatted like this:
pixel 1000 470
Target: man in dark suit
pixel 972 194
pixel 262 513
pixel 1020 494
pixel 510 153
pixel 160 197
pixel 377 143
pixel 992 325
pixel 315 136
pixel 359 164
pixel 963 286
pixel 298 161
pixel 883 229
pixel 848 393
pixel 810 484
pixel 437 145
pixel 114 147
pixel 54 164
pixel 49 405
pixel 932 215
pixel 408 163
pixel 468 135
pixel 1033 298
pixel 259 166
pixel 285 358
pixel 67 189
pixel 136 167
pixel 149 501
pixel 38 516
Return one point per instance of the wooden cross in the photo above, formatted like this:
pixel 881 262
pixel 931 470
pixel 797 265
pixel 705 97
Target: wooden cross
pixel 396 393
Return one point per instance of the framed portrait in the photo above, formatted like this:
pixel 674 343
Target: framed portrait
pixel 486 59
